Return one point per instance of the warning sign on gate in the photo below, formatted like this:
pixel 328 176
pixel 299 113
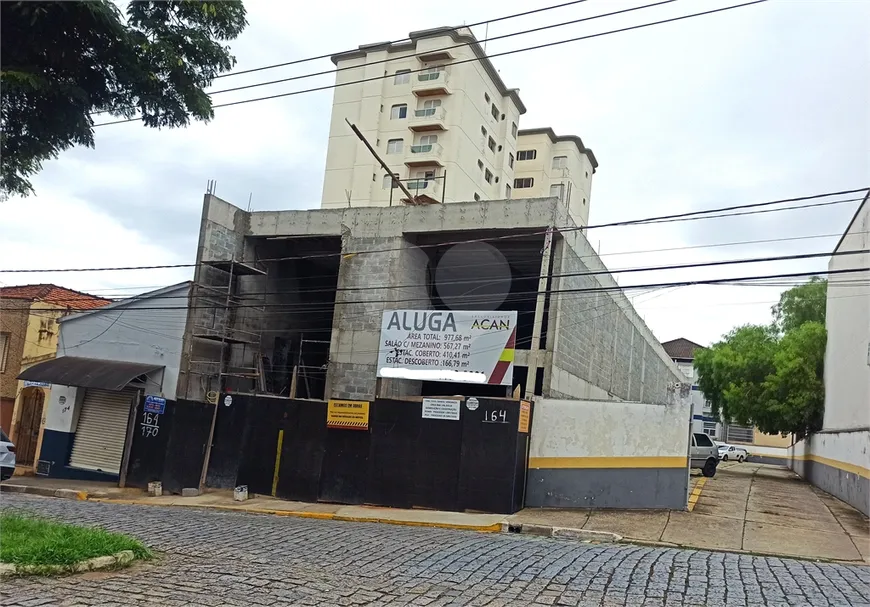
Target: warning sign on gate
pixel 525 414
pixel 350 414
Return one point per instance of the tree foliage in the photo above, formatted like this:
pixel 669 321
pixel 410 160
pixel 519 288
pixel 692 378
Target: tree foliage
pixel 61 62
pixel 804 303
pixel 772 376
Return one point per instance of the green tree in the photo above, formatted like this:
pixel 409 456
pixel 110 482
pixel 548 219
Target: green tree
pixel 772 376
pixel 60 62
pixel 804 303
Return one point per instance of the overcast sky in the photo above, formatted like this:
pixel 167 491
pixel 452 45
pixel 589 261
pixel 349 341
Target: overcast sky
pixel 759 103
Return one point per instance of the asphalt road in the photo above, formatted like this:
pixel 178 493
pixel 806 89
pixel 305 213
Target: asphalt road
pixel 216 558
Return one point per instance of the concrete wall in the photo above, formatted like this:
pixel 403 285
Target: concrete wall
pixel 837 462
pixel 775 456
pixel 465 108
pixel 602 454
pixel 14 316
pixel 601 346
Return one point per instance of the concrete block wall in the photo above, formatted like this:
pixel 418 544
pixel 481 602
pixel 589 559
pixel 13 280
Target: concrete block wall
pixel 599 339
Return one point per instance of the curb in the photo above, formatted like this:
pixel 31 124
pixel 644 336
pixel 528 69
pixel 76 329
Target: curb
pixel 124 557
pixel 324 516
pixel 70 494
pixel 570 533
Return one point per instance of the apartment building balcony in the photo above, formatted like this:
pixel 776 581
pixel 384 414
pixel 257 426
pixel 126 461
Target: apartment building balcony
pixel 424 155
pixel 429 187
pixel 425 84
pixel 428 119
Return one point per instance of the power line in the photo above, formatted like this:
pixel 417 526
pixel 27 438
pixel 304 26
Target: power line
pixel 485 297
pixel 502 54
pixel 430 51
pixel 524 234
pixel 473 281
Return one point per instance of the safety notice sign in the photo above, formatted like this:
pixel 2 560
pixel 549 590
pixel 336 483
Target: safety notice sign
pixel 525 415
pixel 350 414
pixel 440 408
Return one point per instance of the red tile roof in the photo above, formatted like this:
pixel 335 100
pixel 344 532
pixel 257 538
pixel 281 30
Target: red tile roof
pixel 54 294
pixel 681 348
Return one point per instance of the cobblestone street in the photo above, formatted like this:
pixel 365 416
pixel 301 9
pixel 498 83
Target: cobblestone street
pixel 214 558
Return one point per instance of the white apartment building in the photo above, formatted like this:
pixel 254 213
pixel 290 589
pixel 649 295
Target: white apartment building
pixel 552 165
pixel 442 120
pixel 437 112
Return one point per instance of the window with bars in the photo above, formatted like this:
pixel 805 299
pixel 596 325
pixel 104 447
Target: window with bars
pixel 740 434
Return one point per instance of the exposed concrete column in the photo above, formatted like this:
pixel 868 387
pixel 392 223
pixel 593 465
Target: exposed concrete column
pixel 535 346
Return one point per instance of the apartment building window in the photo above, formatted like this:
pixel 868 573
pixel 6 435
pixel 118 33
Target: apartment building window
pixel 514 129
pixel 402 77
pixel 556 190
pixel 527 154
pixel 394 146
pixel 491 144
pixel 507 190
pixel 389 183
pixel 399 111
pixel 486 97
pixel 480 164
pixel 510 160
pixel 710 429
pixel 483 131
pixel 430 73
pixel 487 175
pixel 560 162
pixel 430 106
pixel 494 111
pixel 4 346
pixel 524 182
pixel 428 139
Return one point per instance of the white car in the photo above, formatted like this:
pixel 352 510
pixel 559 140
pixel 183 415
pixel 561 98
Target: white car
pixel 732 452
pixel 7 457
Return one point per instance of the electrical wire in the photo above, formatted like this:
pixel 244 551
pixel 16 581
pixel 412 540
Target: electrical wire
pixel 485 298
pixel 477 281
pixel 524 234
pixel 460 62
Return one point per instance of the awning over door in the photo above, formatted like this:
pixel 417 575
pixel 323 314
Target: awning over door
pixel 87 372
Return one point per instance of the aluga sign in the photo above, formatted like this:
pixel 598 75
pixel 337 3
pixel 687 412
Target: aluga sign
pixel 459 346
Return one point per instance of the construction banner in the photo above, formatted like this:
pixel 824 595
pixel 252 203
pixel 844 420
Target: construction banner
pixel 348 414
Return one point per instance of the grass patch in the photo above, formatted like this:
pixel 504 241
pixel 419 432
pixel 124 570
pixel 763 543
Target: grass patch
pixel 30 540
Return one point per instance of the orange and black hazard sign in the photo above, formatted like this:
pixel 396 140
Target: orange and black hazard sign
pixel 351 414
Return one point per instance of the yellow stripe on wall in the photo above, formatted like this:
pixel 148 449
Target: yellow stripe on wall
pixel 676 461
pixel 834 463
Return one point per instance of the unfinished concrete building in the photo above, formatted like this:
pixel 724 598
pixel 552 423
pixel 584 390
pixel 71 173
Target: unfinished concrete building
pixel 290 302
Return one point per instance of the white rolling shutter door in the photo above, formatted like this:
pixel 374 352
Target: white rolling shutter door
pixel 102 428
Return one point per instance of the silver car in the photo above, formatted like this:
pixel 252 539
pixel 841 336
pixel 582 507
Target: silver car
pixel 7 456
pixel 704 454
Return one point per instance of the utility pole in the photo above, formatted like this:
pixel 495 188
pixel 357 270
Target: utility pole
pixel 378 158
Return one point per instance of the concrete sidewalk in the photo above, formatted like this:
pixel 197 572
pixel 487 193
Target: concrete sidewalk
pixel 745 508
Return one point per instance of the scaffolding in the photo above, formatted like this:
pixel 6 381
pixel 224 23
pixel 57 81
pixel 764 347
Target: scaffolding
pixel 229 318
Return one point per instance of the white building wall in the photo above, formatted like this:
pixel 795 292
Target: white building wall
pixel 606 454
pixel 572 184
pixel 847 357
pixel 132 331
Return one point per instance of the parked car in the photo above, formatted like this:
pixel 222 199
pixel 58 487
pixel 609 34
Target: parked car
pixel 733 452
pixel 703 454
pixel 7 456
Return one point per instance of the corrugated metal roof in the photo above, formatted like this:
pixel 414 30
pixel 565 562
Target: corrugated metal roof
pixel 54 294
pixel 87 372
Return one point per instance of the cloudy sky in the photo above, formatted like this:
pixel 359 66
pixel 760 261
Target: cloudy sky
pixel 760 103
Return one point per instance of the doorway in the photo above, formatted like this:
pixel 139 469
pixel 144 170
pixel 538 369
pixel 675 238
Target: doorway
pixel 28 427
